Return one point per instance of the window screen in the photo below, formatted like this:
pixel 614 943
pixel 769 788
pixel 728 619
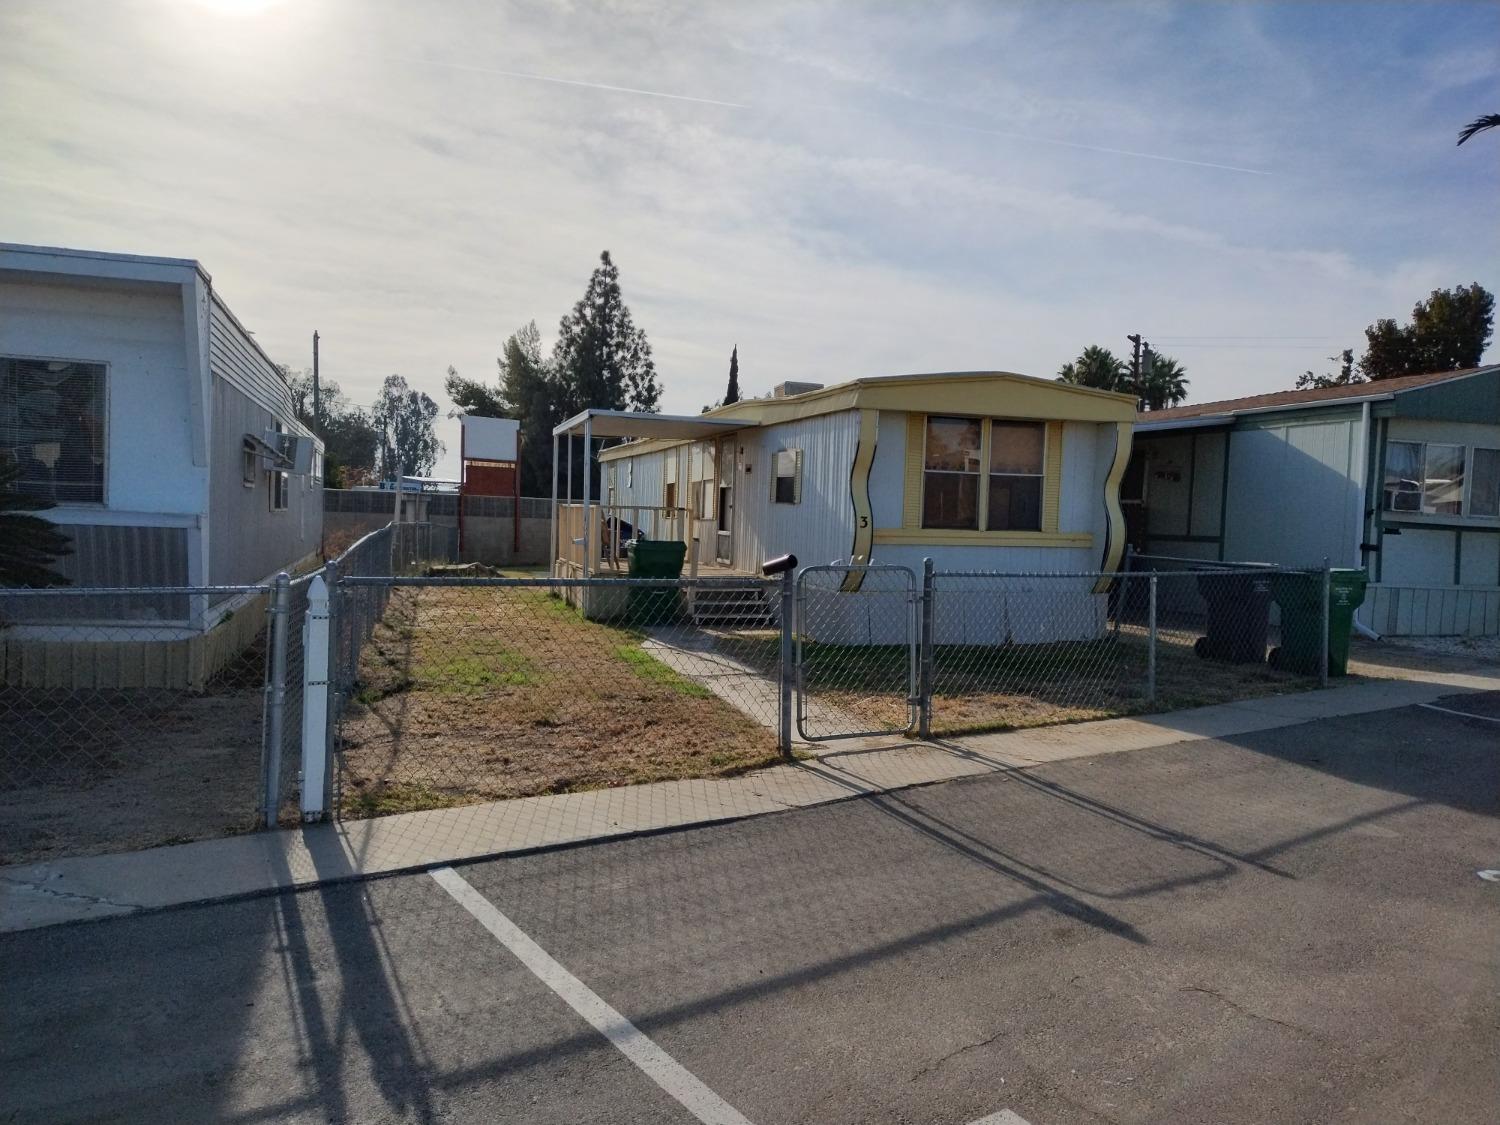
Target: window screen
pixel 950 477
pixel 1403 476
pixel 280 485
pixel 1484 491
pixel 52 426
pixel 1015 500
pixel 787 486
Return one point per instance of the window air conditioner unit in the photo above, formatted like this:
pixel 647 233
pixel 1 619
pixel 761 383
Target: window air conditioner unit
pixel 293 452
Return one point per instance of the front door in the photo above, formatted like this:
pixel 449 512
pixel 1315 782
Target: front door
pixel 724 538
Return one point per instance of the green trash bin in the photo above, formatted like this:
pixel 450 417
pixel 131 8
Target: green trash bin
pixel 656 558
pixel 1300 597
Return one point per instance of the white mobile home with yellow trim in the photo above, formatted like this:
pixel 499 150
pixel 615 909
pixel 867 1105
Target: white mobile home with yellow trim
pixel 976 470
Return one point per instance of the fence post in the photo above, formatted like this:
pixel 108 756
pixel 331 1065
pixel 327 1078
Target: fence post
pixel 1151 644
pixel 281 596
pixel 925 655
pixel 315 699
pixel 788 660
pixel 1122 591
pixel 1323 624
pixel 337 611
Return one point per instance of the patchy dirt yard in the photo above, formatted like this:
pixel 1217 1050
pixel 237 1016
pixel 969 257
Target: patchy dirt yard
pixel 89 772
pixel 480 693
pixel 979 688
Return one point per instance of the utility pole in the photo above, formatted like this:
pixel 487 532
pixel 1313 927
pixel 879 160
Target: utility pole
pixel 317 404
pixel 1135 366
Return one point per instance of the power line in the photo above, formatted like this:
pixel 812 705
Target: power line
pixel 1161 336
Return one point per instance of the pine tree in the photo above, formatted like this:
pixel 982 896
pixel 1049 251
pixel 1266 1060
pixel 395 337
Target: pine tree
pixel 601 358
pixel 733 393
pixel 29 544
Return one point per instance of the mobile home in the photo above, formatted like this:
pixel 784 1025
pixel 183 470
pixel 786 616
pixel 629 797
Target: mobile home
pixel 989 471
pixel 134 400
pixel 1400 477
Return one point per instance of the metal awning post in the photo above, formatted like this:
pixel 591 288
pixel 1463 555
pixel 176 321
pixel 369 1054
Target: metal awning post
pixel 552 530
pixel 588 487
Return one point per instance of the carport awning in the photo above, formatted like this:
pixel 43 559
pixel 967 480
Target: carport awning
pixel 633 424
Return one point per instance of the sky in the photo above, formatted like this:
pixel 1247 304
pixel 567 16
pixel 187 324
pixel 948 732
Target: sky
pixel 840 189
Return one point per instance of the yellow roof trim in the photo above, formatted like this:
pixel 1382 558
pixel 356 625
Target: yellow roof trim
pixel 954 392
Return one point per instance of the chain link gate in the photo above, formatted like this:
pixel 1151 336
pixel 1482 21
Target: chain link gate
pixel 856 651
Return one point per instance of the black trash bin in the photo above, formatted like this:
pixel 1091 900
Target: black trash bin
pixel 1238 616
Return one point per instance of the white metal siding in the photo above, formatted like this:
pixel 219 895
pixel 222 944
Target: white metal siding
pixel 1294 494
pixel 1480 565
pixel 1425 611
pixel 1084 467
pixel 247 540
pixel 820 529
pixel 236 358
pixel 137 330
pixel 1417 557
pixel 888 471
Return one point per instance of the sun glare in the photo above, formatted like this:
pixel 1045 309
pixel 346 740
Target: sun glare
pixel 238 7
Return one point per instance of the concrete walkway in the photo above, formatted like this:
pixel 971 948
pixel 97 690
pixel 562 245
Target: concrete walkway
pixel 698 656
pixel 70 890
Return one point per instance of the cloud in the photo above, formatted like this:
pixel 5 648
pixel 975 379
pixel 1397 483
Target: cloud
pixel 840 189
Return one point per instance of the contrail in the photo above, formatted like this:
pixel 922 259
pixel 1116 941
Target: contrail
pixel 1098 148
pixel 530 77
pixel 574 82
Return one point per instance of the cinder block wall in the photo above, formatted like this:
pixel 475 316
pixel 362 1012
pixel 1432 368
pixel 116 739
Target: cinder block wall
pixel 489 530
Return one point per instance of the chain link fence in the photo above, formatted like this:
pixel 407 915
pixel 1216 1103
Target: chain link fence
pixel 137 717
pixel 454 690
pixel 129 718
pixel 1014 650
pixel 857 645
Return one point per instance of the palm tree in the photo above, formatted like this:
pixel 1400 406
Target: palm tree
pixel 29 545
pixel 1166 384
pixel 1479 125
pixel 1099 368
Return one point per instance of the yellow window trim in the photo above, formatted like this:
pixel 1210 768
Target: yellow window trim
pixel 916 463
pixel 916 441
pixel 1052 476
pixel 931 536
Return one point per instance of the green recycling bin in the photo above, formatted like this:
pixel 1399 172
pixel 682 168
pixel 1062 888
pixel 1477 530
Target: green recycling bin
pixel 1300 597
pixel 656 558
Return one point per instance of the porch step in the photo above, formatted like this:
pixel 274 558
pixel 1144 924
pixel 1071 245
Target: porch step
pixel 745 609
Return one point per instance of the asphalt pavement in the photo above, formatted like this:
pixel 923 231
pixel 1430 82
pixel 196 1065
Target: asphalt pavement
pixel 1282 926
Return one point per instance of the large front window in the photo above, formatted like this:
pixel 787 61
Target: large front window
pixel 1424 477
pixel 52 426
pixel 982 474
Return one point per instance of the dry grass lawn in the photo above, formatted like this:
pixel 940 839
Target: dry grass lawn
pixel 979 689
pixel 472 694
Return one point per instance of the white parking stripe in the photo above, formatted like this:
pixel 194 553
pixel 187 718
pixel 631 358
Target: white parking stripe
pixel 1461 714
pixel 1004 1117
pixel 657 1065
